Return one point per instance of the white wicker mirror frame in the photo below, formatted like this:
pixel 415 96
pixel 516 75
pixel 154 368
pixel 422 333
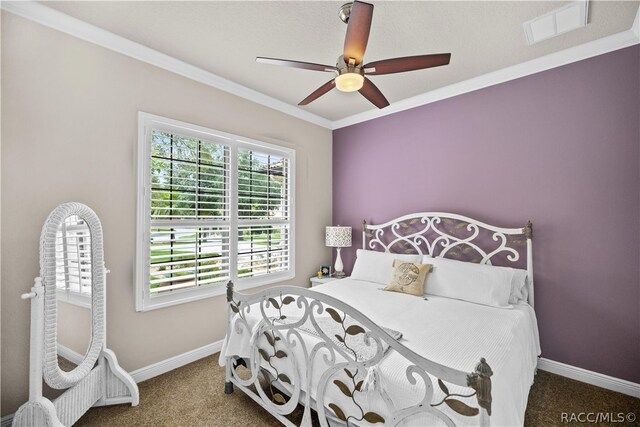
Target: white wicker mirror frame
pixel 53 375
pixel 98 380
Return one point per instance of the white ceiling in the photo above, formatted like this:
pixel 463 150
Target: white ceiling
pixel 225 37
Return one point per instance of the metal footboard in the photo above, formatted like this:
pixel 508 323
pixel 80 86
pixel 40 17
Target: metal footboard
pixel 310 348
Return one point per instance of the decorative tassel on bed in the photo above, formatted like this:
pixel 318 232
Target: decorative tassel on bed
pixel 372 381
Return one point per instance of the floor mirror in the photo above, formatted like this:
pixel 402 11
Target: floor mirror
pixel 68 324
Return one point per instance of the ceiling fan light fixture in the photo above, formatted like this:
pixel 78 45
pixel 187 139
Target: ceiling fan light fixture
pixel 350 68
pixel 349 82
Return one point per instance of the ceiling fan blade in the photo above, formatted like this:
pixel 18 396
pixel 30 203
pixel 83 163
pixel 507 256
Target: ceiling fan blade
pixel 318 92
pixel 407 63
pixel 355 42
pixel 373 94
pixel 295 64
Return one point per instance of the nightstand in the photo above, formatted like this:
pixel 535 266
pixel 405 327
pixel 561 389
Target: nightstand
pixel 315 281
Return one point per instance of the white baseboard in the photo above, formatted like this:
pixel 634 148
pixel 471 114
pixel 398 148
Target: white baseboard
pixel 148 372
pixel 158 368
pixel 590 377
pixel 6 421
pixel 70 355
pixel 141 374
pixel 175 362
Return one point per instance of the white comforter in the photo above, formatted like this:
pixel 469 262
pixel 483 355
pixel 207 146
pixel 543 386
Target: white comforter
pixel 450 332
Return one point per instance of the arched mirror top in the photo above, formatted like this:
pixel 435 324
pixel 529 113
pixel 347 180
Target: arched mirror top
pixel 80 222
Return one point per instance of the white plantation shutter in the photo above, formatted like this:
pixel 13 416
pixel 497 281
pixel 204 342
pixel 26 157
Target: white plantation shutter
pixel 73 257
pixel 189 178
pixel 263 186
pixel 212 207
pixel 184 257
pixel 263 213
pixel 189 182
pixel 262 249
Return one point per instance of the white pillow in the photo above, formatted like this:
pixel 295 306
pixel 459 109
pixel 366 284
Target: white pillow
pixel 519 288
pixel 377 267
pixel 481 284
pixel 519 291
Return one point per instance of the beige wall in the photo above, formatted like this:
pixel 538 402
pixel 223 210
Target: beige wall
pixel 69 133
pixel 74 326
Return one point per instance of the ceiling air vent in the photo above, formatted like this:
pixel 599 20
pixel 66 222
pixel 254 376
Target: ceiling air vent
pixel 556 22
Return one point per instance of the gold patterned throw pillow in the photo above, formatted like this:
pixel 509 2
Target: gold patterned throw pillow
pixel 409 278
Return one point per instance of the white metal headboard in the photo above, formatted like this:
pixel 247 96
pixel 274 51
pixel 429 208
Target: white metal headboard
pixel 441 234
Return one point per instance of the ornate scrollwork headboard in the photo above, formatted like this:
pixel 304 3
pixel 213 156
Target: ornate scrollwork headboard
pixel 454 236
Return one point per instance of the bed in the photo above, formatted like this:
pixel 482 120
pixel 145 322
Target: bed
pixel 359 355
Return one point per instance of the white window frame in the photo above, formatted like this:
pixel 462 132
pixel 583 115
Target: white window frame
pixel 146 124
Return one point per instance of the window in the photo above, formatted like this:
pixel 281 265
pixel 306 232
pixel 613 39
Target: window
pixel 73 262
pixel 212 207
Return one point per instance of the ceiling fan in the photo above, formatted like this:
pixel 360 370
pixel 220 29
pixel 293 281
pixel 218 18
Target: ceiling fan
pixel 349 67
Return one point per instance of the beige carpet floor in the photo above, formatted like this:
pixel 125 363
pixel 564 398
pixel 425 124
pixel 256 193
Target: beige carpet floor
pixel 193 396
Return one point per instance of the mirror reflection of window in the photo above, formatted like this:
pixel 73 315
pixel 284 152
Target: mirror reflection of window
pixel 73 259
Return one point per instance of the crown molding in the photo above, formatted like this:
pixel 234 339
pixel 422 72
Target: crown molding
pixel 553 60
pixel 52 18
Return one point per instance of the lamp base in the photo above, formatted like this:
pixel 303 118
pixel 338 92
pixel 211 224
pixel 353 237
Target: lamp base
pixel 338 267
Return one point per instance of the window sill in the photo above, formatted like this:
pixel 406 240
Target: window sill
pixel 74 298
pixel 190 295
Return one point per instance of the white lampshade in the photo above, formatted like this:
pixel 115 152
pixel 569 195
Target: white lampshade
pixel 338 237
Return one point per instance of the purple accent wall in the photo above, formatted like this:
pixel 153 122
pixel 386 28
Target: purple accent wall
pixel 561 148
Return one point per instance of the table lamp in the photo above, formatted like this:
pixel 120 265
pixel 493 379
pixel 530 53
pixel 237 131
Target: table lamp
pixel 338 237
